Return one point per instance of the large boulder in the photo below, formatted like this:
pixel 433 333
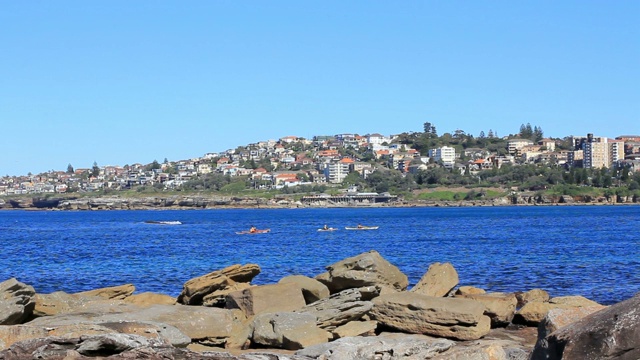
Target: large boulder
pixel 469 290
pixel 558 318
pixel 312 289
pixel 288 330
pixel 500 307
pixel 367 269
pixel 533 295
pixel 60 302
pixel 356 328
pixel 163 332
pixel 266 298
pixel 201 324
pixel 611 333
pixel 16 302
pixel 115 292
pixel 149 298
pixel 194 290
pixel 410 312
pixel 111 346
pixel 338 309
pixel 439 280
pixel 532 313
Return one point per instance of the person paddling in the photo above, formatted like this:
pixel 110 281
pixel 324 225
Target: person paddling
pixel 253 229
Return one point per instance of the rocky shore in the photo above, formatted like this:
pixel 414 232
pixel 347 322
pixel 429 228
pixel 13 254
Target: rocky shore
pixel 221 202
pixel 360 308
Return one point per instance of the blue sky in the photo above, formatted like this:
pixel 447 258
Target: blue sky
pixel 120 82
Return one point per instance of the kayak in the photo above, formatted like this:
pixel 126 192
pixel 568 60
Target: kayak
pixel 163 222
pixel 328 229
pixel 246 232
pixel 363 228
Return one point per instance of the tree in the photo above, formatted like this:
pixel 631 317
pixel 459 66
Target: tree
pixel 430 130
pixel 95 170
pixel 70 169
pixel 481 136
pixel 537 134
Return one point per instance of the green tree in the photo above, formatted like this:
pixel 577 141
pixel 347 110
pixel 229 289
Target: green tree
pixel 70 169
pixel 95 170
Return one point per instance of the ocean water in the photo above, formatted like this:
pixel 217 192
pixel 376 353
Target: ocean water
pixel 592 251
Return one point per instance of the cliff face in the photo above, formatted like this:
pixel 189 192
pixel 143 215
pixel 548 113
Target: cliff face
pixel 204 202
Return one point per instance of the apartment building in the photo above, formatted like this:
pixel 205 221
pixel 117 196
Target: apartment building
pixel 446 154
pixel 599 151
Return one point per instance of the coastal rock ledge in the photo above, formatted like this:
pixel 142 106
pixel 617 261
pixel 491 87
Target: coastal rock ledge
pixel 361 308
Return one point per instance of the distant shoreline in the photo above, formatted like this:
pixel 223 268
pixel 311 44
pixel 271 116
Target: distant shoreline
pixel 216 202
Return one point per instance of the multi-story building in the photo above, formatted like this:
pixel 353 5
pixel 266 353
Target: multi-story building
pixel 514 145
pixel 446 154
pixel 598 151
pixel 336 171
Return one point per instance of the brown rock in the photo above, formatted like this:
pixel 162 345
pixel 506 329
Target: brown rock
pixel 356 328
pixel 500 307
pixel 288 330
pixel 312 289
pixel 415 313
pixel 535 295
pixel 533 313
pixel 16 302
pixel 557 318
pixel 611 333
pixel 438 281
pixel 469 290
pixel 149 298
pixel 367 269
pixel 266 299
pixel 115 292
pixel 196 289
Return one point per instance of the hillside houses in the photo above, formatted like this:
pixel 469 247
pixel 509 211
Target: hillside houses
pixel 327 159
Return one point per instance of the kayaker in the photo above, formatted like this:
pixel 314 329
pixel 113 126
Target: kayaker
pixel 325 227
pixel 360 226
pixel 253 229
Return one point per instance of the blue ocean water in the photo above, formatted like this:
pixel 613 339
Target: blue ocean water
pixel 592 251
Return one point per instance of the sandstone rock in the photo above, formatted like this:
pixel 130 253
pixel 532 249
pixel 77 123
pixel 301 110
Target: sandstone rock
pixel 367 269
pixel 338 309
pixel 60 303
pixel 535 295
pixel 16 302
pixel 557 318
pixel 356 328
pixel 312 289
pixel 288 330
pixel 575 301
pixel 196 289
pixel 469 290
pixel 410 347
pixel 415 313
pixel 198 323
pixel 266 298
pixel 111 346
pixel 611 333
pixel 438 281
pixel 500 307
pixel 532 313
pixel 115 292
pixel 218 298
pixel 17 333
pixel 149 298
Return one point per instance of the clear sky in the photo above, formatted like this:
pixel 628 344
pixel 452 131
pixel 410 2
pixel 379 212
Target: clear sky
pixel 120 82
